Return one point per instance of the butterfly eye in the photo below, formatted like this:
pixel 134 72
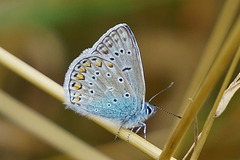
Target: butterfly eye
pixel 149 110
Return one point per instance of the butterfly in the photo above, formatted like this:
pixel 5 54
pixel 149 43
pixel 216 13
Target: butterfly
pixel 107 80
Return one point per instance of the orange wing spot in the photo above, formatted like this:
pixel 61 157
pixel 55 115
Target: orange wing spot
pixel 99 63
pixel 109 65
pixel 105 51
pixel 77 95
pixel 80 77
pixel 88 64
pixel 76 99
pixel 82 69
pixel 78 86
pixel 110 45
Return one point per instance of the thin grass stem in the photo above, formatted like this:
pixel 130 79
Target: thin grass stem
pixel 55 90
pixel 208 123
pixel 202 93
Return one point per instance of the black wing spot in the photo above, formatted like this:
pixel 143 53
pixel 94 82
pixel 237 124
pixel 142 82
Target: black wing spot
pixel 108 74
pixel 126 69
pixel 91 91
pixel 97 73
pixel 126 95
pixel 120 79
pixel 73 84
pixel 75 75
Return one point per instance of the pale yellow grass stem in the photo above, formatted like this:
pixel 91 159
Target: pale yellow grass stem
pixel 200 93
pixel 56 91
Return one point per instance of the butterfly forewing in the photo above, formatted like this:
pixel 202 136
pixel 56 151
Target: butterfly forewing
pixel 119 46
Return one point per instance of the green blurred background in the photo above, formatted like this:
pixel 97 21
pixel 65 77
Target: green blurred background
pixel 171 35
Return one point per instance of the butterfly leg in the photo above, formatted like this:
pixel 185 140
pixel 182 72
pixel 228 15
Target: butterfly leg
pixel 140 124
pixel 139 128
pixel 130 133
pixel 121 128
pixel 144 129
pixel 118 133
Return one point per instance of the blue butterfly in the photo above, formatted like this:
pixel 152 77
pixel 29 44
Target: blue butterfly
pixel 107 80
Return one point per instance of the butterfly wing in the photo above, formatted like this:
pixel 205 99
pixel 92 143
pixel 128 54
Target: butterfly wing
pixel 119 46
pixel 107 79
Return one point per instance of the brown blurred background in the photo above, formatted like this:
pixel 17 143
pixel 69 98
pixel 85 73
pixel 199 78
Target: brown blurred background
pixel 171 35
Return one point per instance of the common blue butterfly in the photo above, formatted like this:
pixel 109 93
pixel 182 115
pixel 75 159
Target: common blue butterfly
pixel 107 80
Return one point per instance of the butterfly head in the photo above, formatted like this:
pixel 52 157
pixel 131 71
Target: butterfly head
pixel 149 110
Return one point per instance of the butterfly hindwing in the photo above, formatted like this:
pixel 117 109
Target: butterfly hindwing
pixel 97 86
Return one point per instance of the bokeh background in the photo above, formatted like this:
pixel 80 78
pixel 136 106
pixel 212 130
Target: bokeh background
pixel 171 35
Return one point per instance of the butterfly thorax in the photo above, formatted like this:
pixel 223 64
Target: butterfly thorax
pixel 138 118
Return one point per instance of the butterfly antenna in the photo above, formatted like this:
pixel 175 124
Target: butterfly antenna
pixel 160 107
pixel 161 92
pixel 169 112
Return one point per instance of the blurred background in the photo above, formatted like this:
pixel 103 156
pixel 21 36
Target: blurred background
pixel 171 35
